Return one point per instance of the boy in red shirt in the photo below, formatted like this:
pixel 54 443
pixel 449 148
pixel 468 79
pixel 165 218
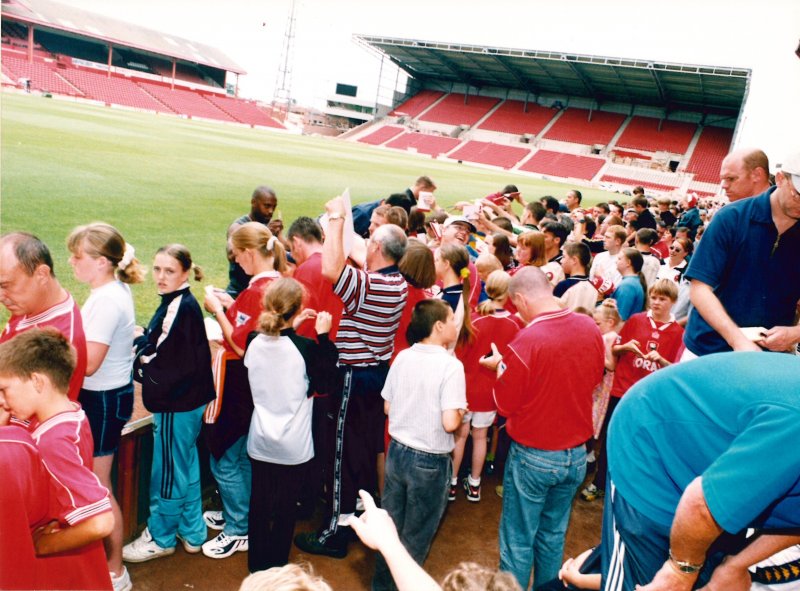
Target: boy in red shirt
pixel 35 370
pixel 647 342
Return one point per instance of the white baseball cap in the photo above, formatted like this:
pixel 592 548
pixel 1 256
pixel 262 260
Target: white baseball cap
pixel 791 166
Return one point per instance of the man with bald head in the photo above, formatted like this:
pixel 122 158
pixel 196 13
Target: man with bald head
pixel 31 293
pixel 744 173
pixel 262 205
pixel 544 387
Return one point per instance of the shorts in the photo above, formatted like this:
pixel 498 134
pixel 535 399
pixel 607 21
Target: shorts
pixel 108 411
pixel 480 420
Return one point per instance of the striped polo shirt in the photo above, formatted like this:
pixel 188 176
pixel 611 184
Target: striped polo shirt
pixel 373 303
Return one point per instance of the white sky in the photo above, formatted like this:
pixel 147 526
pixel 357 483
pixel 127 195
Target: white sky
pixel 760 35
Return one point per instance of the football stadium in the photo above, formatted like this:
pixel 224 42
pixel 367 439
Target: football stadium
pixel 157 135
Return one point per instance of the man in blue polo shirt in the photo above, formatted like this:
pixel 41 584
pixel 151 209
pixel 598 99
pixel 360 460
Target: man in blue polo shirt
pixel 745 272
pixel 692 454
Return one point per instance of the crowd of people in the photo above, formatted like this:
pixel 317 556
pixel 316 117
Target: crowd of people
pixel 362 350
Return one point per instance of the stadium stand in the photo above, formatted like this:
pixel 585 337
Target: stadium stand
pixel 115 90
pixel 654 135
pixel 382 135
pixel 626 154
pixel 42 74
pixel 511 117
pixel 459 109
pixel 243 111
pixel 433 145
pixel 417 103
pixel 711 148
pixel 648 185
pixel 184 101
pixel 563 165
pixel 575 126
pixel 490 153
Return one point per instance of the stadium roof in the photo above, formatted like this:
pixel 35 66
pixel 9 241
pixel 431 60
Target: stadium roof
pixel 71 21
pixel 709 89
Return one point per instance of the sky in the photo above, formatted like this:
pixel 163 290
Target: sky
pixel 761 36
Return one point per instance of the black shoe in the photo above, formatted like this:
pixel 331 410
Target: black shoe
pixel 309 543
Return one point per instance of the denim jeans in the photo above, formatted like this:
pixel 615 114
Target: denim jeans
pixel 175 496
pixel 415 495
pixel 233 475
pixel 538 487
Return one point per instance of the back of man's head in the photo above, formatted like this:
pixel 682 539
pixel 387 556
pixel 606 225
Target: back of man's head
pixel 306 229
pixel 42 351
pixel 392 241
pixel 29 251
pixel 397 215
pixel 550 203
pixel 646 236
pixel 530 282
pixel 536 210
pixel 425 184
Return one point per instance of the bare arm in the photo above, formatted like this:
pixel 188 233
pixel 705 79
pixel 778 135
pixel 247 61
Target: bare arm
pixel 451 419
pixel 713 312
pixel 333 248
pixel 377 530
pixel 49 539
pixel 95 355
pixel 693 531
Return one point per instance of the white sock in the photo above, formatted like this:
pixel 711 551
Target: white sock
pixel 473 481
pixel 454 481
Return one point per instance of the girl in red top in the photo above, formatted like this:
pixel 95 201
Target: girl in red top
pixel 494 324
pixel 647 342
pixel 418 268
pixel 227 418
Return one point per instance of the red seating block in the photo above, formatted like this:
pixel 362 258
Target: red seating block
pixel 418 103
pixel 490 153
pixel 564 165
pixel 115 90
pixel 511 117
pixel 185 101
pixel 243 111
pixel 712 147
pixel 643 133
pixel 574 126
pixel 424 143
pixel 379 136
pixel 454 110
pixel 636 182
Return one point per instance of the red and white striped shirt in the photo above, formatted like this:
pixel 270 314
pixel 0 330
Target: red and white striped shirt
pixel 373 303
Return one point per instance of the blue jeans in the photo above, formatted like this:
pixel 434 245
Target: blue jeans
pixel 233 475
pixel 415 495
pixel 538 487
pixel 175 497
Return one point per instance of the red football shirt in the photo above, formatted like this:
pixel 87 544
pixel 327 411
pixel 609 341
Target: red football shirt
pixel 318 296
pixel 66 317
pixel 243 314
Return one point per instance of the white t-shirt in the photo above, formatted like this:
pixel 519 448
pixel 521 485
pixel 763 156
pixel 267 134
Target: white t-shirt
pixel 423 381
pixel 108 318
pixel 605 266
pixel 280 430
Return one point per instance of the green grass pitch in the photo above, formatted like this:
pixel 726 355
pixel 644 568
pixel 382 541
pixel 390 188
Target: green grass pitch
pixel 162 179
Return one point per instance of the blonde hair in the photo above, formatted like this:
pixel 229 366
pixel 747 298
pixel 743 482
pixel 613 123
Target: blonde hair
pixel 487 263
pixel 257 236
pixel 282 300
pixel 534 241
pixel 497 289
pixel 470 576
pixel 290 577
pixel 457 257
pixel 99 239
pixel 664 287
pixel 608 310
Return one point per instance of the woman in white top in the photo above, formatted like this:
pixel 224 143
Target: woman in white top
pixel 674 267
pixel 102 259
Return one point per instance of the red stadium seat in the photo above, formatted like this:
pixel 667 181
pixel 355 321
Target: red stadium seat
pixel 563 165
pixel 382 135
pixel 511 117
pixel 433 145
pixel 643 133
pixel 454 110
pixel 636 182
pixel 490 153
pixel 418 103
pixel 574 126
pixel 711 149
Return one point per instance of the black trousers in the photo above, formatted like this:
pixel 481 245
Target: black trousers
pixel 359 439
pixel 274 492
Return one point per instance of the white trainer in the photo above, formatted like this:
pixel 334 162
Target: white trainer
pixel 122 582
pixel 190 548
pixel 144 548
pixel 214 520
pixel 224 545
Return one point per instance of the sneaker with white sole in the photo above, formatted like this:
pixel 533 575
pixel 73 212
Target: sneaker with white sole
pixel 144 548
pixel 224 545
pixel 121 582
pixel 214 520
pixel 189 548
pixel 592 493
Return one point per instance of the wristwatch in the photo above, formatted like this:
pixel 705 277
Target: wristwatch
pixel 335 216
pixel 687 568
